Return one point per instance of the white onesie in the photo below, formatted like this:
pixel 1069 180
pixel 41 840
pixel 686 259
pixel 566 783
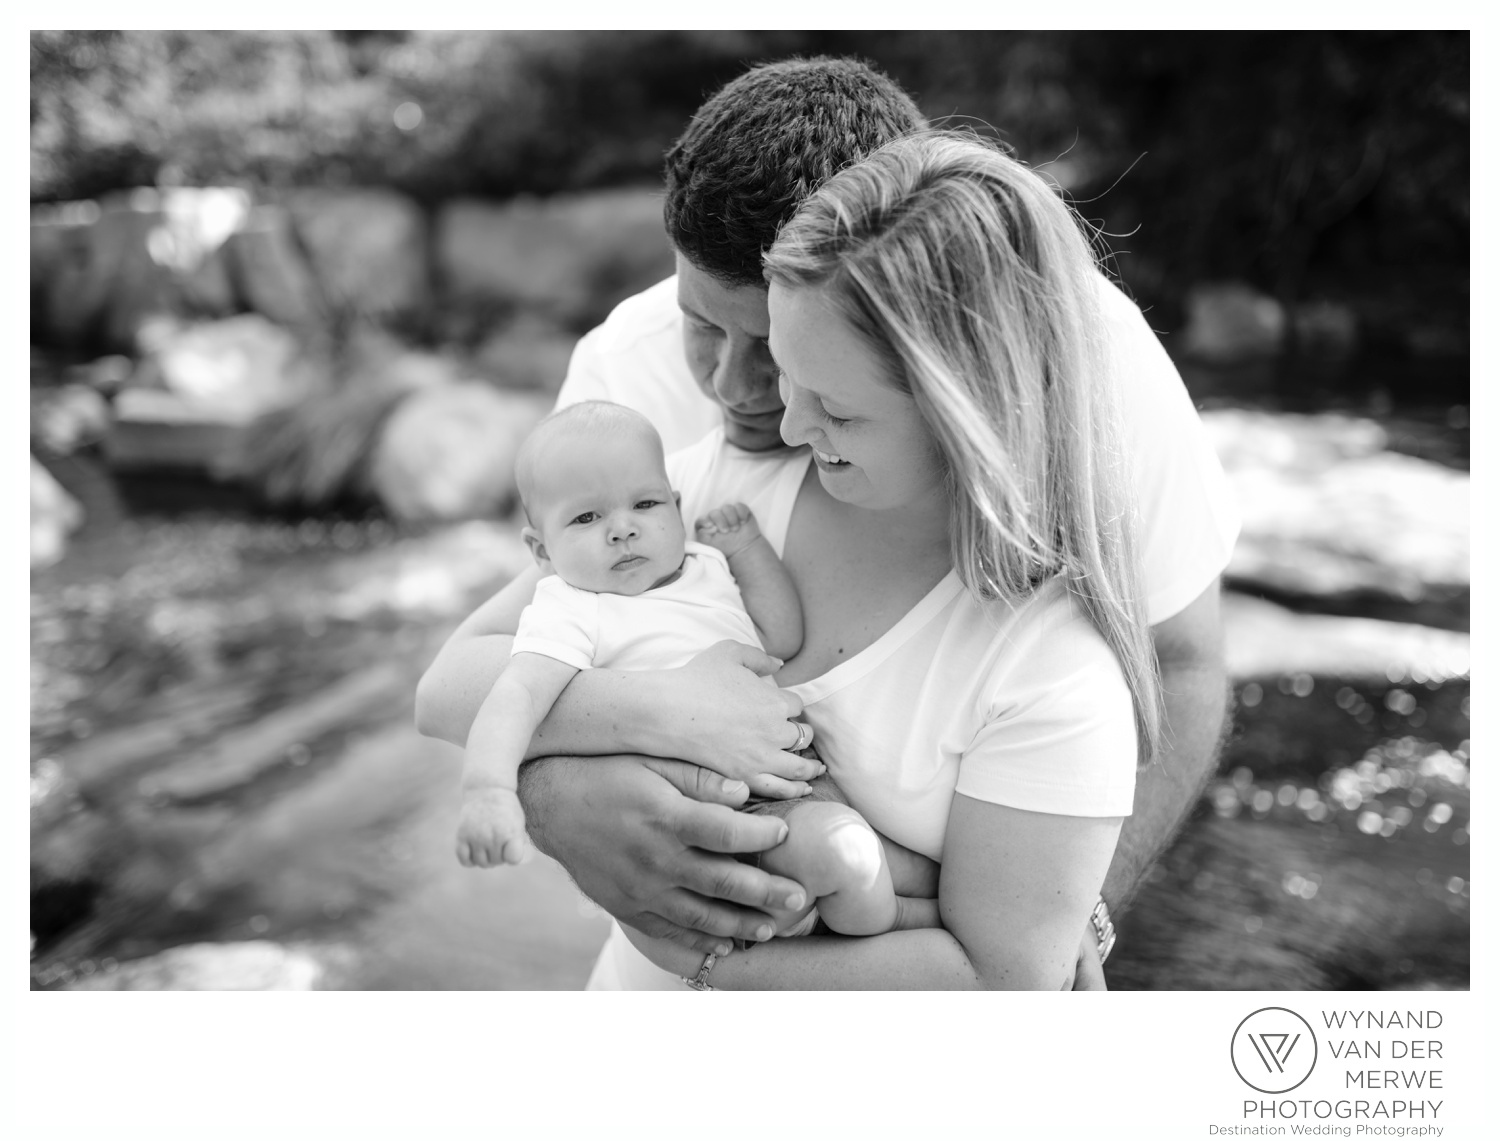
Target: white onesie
pixel 658 629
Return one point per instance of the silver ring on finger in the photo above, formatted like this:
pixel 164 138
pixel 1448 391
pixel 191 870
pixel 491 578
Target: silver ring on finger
pixel 803 736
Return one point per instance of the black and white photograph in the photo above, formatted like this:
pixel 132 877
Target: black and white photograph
pixel 718 511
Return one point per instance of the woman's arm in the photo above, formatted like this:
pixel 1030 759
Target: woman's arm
pixel 1016 888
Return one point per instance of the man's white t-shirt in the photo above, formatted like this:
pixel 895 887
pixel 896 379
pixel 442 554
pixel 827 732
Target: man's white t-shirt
pixel 1189 520
pixel 659 629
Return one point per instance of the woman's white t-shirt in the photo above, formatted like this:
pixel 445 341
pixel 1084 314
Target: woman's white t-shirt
pixel 1018 704
pixel 1022 705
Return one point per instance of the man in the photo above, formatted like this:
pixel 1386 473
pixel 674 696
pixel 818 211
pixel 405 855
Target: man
pixel 652 841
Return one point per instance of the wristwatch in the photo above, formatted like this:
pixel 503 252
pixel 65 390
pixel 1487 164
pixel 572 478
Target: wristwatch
pixel 1104 930
pixel 700 980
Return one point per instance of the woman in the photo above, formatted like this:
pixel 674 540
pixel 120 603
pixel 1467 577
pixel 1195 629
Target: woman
pixel 976 662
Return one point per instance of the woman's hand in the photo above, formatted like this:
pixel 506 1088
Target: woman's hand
pixel 668 956
pixel 723 712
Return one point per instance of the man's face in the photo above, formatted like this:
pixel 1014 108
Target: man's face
pixel 724 333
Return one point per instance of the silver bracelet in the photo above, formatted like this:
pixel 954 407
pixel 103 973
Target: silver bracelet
pixel 700 980
pixel 1104 929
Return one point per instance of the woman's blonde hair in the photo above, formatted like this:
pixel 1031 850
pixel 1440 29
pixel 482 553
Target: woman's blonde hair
pixel 971 279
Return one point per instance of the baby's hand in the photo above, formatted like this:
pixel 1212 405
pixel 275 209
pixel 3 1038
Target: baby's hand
pixel 730 528
pixel 491 829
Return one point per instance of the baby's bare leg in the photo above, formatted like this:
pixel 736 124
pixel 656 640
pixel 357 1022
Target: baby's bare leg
pixel 832 852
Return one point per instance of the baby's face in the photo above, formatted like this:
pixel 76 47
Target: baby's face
pixel 606 518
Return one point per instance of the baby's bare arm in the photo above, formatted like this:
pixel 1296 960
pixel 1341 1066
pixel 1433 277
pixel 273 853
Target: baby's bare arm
pixel 520 698
pixel 492 823
pixel 769 594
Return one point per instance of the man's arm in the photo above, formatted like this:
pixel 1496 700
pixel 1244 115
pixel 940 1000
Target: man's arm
pixel 1190 649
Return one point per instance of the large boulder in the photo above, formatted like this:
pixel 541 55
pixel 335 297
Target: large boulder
pixel 449 451
pixel 54 515
pixel 198 222
pixel 65 418
pixel 368 249
pixel 231 370
pixel 528 353
pixel 1230 322
pixel 107 284
pixel 59 261
pixel 270 274
pixel 1327 511
pixel 200 386
pixel 101 270
pixel 570 257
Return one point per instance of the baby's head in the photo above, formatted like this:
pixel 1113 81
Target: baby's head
pixel 603 517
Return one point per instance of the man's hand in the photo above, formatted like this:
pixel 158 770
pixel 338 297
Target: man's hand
pixel 653 841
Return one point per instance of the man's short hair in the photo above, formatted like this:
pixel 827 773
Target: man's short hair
pixel 765 141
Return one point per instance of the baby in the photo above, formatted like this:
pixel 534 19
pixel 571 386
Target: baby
pixel 627 590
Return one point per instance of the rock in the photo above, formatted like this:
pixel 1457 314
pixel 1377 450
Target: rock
pixel 59 262
pixel 54 515
pixel 1324 329
pixel 198 221
pixel 102 269
pixel 1231 322
pixel 449 452
pixel 1265 640
pixel 569 257
pixel 104 294
pixel 1308 444
pixel 318 450
pixel 270 274
pixel 368 249
pixel 64 419
pixel 528 353
pixel 1326 512
pixel 155 428
pixel 252 965
pixel 106 374
pixel 231 370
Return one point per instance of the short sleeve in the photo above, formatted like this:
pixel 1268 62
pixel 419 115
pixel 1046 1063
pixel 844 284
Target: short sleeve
pixel 1060 736
pixel 561 622
pixel 1189 516
pixel 585 379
